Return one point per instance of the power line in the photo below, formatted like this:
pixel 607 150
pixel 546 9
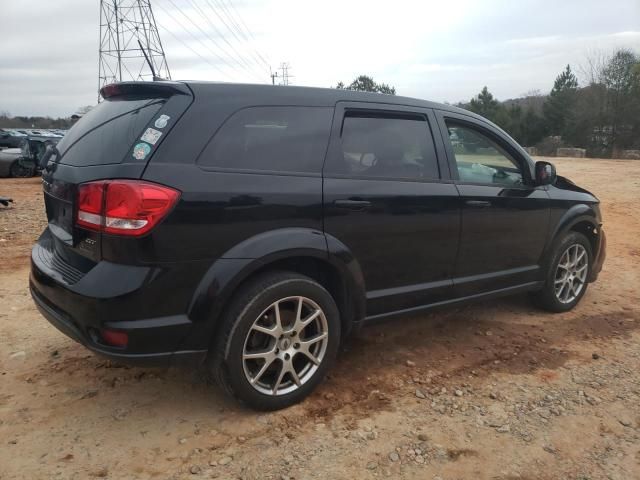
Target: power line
pixel 191 34
pixel 243 24
pixel 194 51
pixel 235 32
pixel 215 28
pixel 227 57
pixel 208 37
pixel 235 28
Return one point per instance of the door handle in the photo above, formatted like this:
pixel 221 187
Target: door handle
pixel 478 203
pixel 352 204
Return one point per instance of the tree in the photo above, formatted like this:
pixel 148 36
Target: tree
pixel 608 109
pixel 621 79
pixel 533 128
pixel 559 107
pixel 518 117
pixel 84 110
pixel 603 116
pixel 485 104
pixel 364 83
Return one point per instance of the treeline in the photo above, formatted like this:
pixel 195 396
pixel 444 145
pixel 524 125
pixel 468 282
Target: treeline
pixel 8 121
pixel 602 115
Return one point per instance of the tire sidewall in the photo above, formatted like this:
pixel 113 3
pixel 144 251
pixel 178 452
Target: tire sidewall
pixel 567 241
pixel 232 356
pixel 18 171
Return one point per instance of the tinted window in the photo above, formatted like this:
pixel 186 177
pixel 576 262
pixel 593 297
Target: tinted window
pixel 107 133
pixel 480 159
pixel 282 139
pixel 386 146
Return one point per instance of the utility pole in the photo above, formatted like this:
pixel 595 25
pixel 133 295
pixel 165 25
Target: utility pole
pixel 284 68
pixel 130 46
pixel 273 76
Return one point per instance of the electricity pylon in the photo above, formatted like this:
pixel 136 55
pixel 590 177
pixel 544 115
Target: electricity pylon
pixel 130 46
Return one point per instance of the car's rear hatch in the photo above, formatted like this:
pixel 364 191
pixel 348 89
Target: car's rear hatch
pixel 115 139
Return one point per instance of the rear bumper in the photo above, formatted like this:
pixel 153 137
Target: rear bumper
pixel 599 256
pixel 69 328
pixel 115 297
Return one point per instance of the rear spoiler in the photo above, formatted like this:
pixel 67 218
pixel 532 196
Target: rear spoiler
pixel 152 89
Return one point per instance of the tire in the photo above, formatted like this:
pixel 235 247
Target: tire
pixel 19 171
pixel 270 371
pixel 558 293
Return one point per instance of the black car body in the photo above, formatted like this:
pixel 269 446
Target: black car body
pixel 384 201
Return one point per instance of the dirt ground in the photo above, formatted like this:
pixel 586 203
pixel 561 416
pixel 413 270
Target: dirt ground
pixel 497 390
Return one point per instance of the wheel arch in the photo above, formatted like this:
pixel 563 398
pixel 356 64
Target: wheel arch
pixel 579 218
pixel 299 250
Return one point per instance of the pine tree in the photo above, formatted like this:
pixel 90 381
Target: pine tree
pixel 485 104
pixel 364 83
pixel 559 107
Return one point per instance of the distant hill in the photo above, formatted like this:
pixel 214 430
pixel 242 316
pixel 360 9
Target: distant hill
pixel 534 102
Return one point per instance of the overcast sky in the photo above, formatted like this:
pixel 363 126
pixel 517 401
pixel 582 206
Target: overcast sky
pixel 441 51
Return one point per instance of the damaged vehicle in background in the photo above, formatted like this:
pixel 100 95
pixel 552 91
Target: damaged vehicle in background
pixel 24 161
pixel 11 138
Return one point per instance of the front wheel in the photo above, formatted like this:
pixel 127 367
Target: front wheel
pixel 567 274
pixel 279 337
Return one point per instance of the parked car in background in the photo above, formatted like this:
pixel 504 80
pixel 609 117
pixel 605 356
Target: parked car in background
pixel 25 161
pixel 11 138
pixel 14 164
pixel 38 145
pixel 251 228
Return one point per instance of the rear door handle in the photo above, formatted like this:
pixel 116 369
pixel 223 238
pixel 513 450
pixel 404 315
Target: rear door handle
pixel 478 203
pixel 352 204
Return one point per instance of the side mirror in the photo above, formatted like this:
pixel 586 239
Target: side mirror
pixel 545 173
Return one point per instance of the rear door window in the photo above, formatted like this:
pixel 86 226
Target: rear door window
pixel 106 134
pixel 381 145
pixel 274 139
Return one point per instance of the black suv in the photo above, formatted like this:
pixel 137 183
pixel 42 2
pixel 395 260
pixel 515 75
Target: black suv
pixel 251 228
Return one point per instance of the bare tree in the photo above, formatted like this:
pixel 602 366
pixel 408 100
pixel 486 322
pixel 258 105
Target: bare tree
pixel 590 72
pixel 84 110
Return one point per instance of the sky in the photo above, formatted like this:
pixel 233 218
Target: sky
pixel 435 50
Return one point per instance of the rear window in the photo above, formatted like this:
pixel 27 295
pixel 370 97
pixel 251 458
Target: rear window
pixel 106 134
pixel 277 139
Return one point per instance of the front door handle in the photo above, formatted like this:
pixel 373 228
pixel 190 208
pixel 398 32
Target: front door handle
pixel 352 204
pixel 478 203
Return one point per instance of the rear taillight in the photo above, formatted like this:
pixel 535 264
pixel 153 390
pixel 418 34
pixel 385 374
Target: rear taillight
pixel 123 207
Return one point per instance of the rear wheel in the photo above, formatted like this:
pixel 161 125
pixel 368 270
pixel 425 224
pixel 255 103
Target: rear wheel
pixel 567 274
pixel 279 337
pixel 20 171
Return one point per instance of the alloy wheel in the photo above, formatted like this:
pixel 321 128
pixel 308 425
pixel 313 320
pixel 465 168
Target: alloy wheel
pixel 285 345
pixel 571 273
